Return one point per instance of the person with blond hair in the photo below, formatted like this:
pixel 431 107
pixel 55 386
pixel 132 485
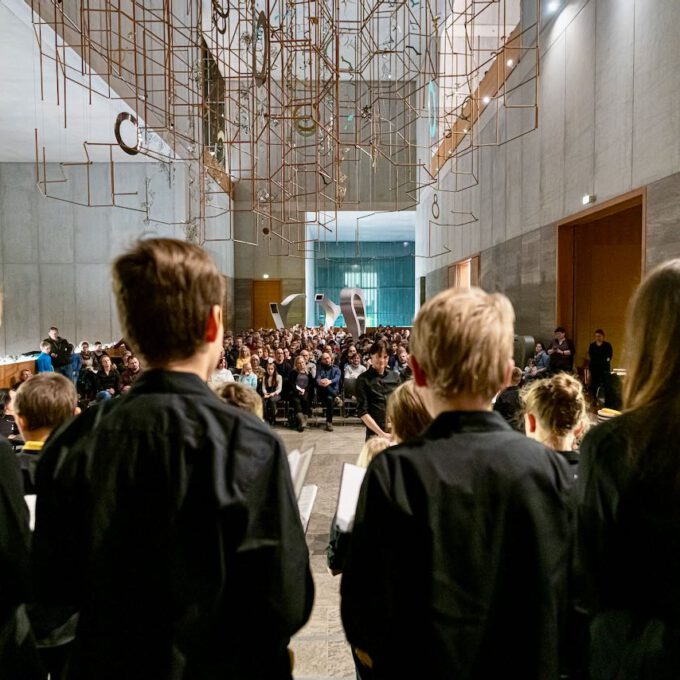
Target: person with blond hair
pixel 555 414
pixel 459 551
pixel 628 500
pixel 167 517
pixel 407 413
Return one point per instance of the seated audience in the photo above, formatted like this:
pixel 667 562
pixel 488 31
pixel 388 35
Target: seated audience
pixel 561 352
pixel 401 365
pixel 86 359
pixel 300 391
pixel 354 368
pixel 458 561
pixel 628 500
pixel 24 375
pixel 97 355
pixel 130 374
pixel 271 387
pixel 538 364
pixel 243 358
pixel 43 364
pixel 247 377
pixel 221 374
pixel 509 404
pixel 240 396
pixel 327 386
pixel 167 519
pixel 8 426
pixel 107 382
pixel 257 369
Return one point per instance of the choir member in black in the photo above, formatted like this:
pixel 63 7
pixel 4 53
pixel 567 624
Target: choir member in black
pixel 18 655
pixel 374 386
pixel 600 353
pixel 168 517
pixel 628 494
pixel 508 402
pixel 459 551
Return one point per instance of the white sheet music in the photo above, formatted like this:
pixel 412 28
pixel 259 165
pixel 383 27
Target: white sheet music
pixel 350 485
pixel 306 503
pixel 299 465
pixel 30 502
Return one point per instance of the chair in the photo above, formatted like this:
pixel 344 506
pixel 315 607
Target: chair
pixel 349 398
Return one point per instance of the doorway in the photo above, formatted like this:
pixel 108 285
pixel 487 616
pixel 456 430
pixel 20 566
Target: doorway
pixel 263 293
pixel 599 264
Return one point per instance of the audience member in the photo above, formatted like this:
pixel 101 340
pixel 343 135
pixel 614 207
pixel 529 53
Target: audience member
pixel 167 519
pixel 60 351
pixel 130 374
pixel 459 549
pixel 242 397
pixel 628 496
pixel 600 355
pixel 8 426
pixel 271 387
pixel 97 354
pixel 43 364
pixel 24 375
pixel 301 390
pixel 373 388
pixel 247 377
pixel 327 386
pixel 561 352
pixel 538 364
pixel 556 414
pixel 509 404
pixel 354 368
pixel 221 374
pixel 407 413
pixel 107 382
pixel 258 371
pixel 243 358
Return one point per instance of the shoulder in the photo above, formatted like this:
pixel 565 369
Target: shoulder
pixel 607 443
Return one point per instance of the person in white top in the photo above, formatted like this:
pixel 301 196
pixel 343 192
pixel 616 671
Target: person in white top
pixel 221 375
pixel 354 368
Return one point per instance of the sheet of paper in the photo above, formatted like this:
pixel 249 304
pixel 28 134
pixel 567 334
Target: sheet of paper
pixel 306 503
pixel 30 502
pixel 348 497
pixel 299 466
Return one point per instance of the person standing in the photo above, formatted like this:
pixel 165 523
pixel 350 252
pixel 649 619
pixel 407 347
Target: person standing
pixel 60 351
pixel 561 352
pixel 600 353
pixel 43 364
pixel 460 546
pixel 168 518
pixel 374 386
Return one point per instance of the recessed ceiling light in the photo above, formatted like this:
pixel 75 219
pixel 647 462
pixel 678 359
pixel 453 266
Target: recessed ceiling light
pixel 486 100
pixel 265 276
pixel 553 6
pixel 510 63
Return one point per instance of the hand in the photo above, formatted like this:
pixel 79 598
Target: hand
pixel 111 390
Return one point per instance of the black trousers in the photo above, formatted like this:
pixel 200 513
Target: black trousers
pixel 327 400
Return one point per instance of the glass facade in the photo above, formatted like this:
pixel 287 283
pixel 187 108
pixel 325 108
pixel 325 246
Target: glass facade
pixel 385 271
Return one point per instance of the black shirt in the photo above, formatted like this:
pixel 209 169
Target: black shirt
pixel 372 393
pixel 509 405
pixel 459 554
pixel 62 348
pixel 168 518
pixel 562 362
pixel 600 357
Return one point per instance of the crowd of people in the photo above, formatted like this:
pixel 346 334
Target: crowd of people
pixel 168 543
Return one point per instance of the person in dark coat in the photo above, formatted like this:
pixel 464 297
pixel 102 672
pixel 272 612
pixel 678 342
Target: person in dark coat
pixel 168 518
pixel 509 404
pixel 628 494
pixel 600 354
pixel 459 552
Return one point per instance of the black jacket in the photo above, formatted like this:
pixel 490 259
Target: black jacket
pixel 62 348
pixel 373 391
pixel 459 553
pixel 168 519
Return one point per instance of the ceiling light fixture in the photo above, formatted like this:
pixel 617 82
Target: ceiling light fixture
pixel 588 199
pixel 486 100
pixel 553 6
pixel 510 63
pixel 265 276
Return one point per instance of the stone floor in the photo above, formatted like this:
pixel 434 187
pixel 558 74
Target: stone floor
pixel 320 648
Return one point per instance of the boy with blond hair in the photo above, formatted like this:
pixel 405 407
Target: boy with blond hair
pixel 168 517
pixel 460 542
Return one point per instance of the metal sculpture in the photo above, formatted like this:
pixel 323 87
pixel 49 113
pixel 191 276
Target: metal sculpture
pixel 353 307
pixel 279 310
pixel 331 310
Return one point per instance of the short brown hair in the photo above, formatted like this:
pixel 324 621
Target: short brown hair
pixel 407 412
pixel 46 400
pixel 180 284
pixel 241 397
pixel 463 341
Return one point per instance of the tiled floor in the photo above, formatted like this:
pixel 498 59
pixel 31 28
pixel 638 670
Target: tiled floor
pixel 320 648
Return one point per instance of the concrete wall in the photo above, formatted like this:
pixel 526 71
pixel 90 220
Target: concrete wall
pixel 55 256
pixel 608 124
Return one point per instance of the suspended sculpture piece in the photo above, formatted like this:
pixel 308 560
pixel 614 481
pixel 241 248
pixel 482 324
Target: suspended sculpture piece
pixel 331 310
pixel 279 310
pixel 353 307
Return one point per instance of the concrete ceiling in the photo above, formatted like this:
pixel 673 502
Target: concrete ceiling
pixel 22 111
pixel 355 225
